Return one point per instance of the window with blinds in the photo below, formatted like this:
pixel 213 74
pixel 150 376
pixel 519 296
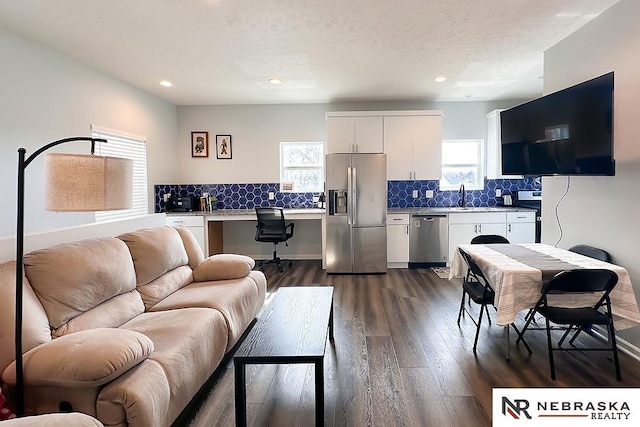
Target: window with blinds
pixel 129 146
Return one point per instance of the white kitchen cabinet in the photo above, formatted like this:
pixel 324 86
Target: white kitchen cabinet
pixel 413 144
pixel 494 147
pixel 354 133
pixel 521 227
pixel 464 226
pixel 397 240
pixel 195 224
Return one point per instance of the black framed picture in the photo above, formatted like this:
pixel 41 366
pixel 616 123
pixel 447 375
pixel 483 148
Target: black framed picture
pixel 199 144
pixel 223 146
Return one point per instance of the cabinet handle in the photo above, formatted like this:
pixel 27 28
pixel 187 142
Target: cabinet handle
pixel 509 228
pixel 479 228
pixel 475 228
pixel 177 221
pixel 407 229
pixel 397 219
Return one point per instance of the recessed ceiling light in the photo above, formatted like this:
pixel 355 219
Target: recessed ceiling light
pixel 166 83
pixel 275 81
pixel 440 79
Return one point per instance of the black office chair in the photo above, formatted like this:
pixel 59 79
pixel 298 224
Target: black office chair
pixel 272 228
pixel 480 292
pixel 591 252
pixel 486 239
pixel 579 281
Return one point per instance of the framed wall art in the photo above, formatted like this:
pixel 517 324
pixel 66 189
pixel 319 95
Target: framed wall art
pixel 199 144
pixel 223 146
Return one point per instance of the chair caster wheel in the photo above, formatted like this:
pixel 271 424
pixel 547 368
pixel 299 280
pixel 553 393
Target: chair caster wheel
pixel 290 263
pixel 280 269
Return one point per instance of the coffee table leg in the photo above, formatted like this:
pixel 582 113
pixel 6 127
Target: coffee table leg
pixel 331 322
pixel 240 392
pixel 319 392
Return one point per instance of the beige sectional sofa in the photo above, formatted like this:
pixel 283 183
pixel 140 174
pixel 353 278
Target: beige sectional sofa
pixel 126 329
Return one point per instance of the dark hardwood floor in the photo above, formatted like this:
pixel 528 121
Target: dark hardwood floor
pixel 400 359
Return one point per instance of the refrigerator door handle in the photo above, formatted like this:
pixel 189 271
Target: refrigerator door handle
pixel 354 188
pixel 349 191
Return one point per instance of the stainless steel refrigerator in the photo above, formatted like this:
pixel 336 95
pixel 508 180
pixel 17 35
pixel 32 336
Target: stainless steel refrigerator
pixel 356 186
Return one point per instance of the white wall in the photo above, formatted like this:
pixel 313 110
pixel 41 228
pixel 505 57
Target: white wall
pixel 257 131
pixel 602 211
pixel 45 96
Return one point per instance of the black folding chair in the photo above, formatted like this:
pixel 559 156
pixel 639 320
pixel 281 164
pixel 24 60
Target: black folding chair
pixel 575 282
pixel 475 285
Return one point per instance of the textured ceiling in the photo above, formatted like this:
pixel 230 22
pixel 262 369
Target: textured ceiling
pixel 224 51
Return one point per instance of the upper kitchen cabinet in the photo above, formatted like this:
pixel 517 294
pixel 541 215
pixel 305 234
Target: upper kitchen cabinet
pixel 494 147
pixel 413 144
pixel 354 132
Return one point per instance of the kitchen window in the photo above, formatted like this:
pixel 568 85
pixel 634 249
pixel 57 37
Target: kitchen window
pixel 462 163
pixel 302 163
pixel 129 146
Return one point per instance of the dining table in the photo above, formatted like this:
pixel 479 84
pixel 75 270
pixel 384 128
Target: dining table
pixel 517 272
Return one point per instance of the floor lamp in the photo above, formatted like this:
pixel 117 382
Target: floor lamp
pixel 74 183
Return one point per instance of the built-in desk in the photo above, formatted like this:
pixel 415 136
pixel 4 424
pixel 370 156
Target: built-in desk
pixel 214 230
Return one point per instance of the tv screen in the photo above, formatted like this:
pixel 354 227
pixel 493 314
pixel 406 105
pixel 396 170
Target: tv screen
pixel 569 132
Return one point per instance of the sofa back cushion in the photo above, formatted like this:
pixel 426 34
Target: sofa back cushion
pixel 155 251
pixel 191 245
pixel 35 325
pixel 73 278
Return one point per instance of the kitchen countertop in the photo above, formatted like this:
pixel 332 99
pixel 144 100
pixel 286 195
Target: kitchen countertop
pixel 414 211
pixel 237 212
pixel 457 209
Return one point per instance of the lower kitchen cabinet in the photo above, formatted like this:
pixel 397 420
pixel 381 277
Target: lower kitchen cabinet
pixel 521 227
pixel 195 224
pixel 397 240
pixel 465 226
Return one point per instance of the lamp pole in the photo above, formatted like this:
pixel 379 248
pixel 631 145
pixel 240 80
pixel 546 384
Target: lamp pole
pixel 22 165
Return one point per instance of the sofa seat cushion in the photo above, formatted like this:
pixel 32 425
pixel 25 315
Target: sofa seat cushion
pixel 223 267
pixel 189 345
pixel 72 278
pixel 239 300
pixel 73 419
pixel 84 359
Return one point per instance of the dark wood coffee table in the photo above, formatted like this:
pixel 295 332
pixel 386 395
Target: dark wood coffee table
pixel 292 328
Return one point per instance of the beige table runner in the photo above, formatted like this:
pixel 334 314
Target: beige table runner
pixel 548 265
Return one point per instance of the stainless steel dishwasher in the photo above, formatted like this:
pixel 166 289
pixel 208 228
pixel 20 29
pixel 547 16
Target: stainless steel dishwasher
pixel 428 240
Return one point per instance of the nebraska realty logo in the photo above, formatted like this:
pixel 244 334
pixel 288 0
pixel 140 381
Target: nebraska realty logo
pixel 571 406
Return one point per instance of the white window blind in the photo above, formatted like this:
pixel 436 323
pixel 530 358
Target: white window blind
pixel 132 147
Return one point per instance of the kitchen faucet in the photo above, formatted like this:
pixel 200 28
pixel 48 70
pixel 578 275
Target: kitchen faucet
pixel 462 195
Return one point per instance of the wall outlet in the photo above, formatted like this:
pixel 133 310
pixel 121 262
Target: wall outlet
pixel 429 194
pixel 415 194
pixel 166 197
pixel 272 195
pixel 498 192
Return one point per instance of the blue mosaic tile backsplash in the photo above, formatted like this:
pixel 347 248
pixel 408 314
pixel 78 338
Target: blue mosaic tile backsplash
pixel 399 194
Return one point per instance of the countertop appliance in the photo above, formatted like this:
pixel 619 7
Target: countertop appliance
pixel 428 240
pixel 531 199
pixel 356 230
pixel 183 204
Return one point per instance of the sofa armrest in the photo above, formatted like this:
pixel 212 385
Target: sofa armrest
pixel 223 267
pixel 87 358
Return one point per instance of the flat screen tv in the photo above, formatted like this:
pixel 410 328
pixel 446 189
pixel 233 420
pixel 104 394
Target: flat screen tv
pixel 569 132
